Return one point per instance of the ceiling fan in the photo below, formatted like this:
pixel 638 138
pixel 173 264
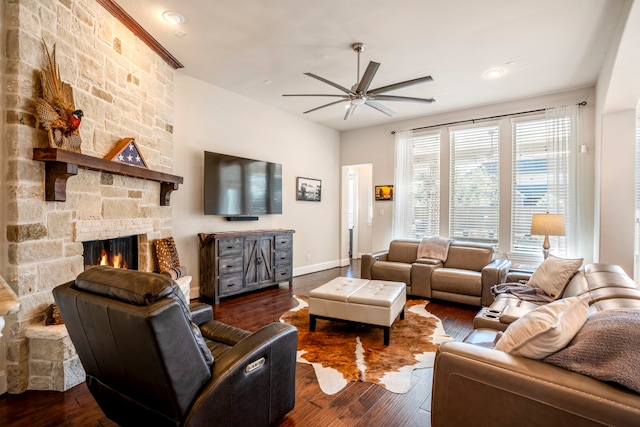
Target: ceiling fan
pixel 360 94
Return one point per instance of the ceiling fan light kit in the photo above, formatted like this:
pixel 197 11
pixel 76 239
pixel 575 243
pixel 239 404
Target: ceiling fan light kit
pixel 360 94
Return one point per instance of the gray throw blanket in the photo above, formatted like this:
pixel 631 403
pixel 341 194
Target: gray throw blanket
pixel 434 247
pixel 607 348
pixel 524 292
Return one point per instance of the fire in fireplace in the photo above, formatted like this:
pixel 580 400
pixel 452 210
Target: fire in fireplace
pixel 120 252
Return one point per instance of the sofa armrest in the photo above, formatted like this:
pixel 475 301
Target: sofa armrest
pixel 493 273
pixel 368 260
pixel 265 363
pixel 222 332
pixel 421 276
pixel 479 386
pixel 200 312
pixel 517 277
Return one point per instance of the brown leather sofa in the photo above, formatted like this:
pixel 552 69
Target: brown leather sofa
pixel 466 277
pixel 477 385
pixel 151 359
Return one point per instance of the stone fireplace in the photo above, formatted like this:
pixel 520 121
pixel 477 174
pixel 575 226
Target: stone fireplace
pixel 125 90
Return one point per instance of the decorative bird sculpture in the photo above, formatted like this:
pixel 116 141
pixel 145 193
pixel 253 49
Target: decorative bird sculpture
pixel 56 111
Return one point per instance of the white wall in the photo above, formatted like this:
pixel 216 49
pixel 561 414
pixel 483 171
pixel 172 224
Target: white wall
pixel 618 92
pixel 213 119
pixel 373 145
pixel 376 145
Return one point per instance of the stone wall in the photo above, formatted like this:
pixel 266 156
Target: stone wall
pixel 124 90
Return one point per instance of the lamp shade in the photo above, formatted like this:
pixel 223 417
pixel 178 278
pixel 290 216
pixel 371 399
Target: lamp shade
pixel 547 224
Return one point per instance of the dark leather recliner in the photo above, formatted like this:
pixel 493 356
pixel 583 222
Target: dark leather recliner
pixel 151 359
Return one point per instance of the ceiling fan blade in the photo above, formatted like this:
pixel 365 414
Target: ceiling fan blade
pixel 337 86
pixel 316 94
pixel 326 105
pixel 403 98
pixel 401 85
pixel 367 77
pixel 380 107
pixel 350 111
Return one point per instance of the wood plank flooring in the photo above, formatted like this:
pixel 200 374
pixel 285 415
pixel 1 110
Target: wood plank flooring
pixel 358 404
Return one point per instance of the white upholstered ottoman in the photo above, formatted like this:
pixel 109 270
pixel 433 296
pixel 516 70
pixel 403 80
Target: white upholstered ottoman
pixel 372 302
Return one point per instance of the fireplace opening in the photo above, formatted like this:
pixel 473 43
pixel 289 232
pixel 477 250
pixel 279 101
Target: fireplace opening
pixel 120 252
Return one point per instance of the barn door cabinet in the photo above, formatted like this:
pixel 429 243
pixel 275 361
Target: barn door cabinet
pixel 233 262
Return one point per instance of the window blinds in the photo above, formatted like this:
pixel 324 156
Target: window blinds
pixel 425 176
pixel 417 191
pixel 475 184
pixel 540 180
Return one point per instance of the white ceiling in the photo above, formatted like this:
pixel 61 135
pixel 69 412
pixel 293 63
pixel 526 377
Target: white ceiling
pixel 544 46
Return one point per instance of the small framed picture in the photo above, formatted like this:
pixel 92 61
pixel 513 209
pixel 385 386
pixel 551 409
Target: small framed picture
pixel 308 189
pixel 384 192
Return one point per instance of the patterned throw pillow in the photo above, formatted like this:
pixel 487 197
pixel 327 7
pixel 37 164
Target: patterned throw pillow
pixel 167 258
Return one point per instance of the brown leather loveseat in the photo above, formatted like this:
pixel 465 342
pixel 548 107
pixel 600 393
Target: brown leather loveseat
pixel 466 276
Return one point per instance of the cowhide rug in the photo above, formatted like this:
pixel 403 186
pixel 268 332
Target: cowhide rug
pixel 341 352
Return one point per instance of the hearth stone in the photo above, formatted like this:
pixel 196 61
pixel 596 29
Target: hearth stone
pixel 53 361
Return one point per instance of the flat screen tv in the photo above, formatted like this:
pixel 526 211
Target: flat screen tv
pixel 237 186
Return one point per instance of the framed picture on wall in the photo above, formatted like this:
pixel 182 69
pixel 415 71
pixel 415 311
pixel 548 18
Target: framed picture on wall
pixel 384 192
pixel 308 189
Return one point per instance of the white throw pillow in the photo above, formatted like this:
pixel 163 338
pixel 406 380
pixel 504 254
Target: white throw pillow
pixel 553 275
pixel 546 329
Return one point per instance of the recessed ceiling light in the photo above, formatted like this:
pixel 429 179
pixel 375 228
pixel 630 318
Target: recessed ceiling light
pixel 494 73
pixel 173 17
pixel 267 82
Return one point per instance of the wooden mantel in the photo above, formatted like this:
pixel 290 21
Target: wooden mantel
pixel 62 164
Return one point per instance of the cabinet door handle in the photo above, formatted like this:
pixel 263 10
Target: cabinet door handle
pixel 259 261
pixel 230 285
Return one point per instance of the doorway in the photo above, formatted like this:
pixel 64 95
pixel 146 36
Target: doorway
pixel 357 212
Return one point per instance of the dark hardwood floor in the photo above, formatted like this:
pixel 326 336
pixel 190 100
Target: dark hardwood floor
pixel 358 404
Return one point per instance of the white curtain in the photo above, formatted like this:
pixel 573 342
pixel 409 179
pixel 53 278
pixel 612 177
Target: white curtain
pixel 403 189
pixel 563 134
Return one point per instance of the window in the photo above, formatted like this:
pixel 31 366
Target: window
pixel 484 197
pixel 475 184
pixel 541 180
pixel 417 205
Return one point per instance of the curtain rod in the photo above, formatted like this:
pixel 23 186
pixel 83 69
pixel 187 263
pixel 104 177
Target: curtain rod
pixel 581 104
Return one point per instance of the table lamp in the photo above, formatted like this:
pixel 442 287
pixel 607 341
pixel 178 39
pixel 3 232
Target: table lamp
pixel 547 225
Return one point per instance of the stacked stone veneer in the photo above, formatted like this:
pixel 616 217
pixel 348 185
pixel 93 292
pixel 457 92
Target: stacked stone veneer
pixel 125 90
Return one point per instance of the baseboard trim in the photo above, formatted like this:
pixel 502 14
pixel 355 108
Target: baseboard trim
pixel 315 268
